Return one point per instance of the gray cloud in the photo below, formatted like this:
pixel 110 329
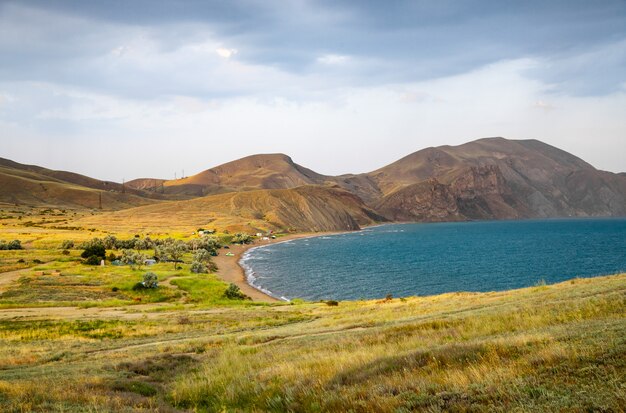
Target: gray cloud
pixel 390 42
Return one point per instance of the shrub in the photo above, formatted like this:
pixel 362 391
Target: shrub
pixel 150 280
pixel 21 261
pixel 65 252
pixel 139 286
pixel 37 261
pixel 114 289
pixel 198 267
pixel 94 250
pixel 112 257
pixel 332 303
pixel 234 293
pixel 133 258
pixel 242 239
pixel 92 260
pixel 11 245
pixel 68 244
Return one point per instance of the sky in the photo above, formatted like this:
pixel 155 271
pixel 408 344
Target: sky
pixel 148 88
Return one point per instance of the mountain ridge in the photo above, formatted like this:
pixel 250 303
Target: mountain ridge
pixel 488 178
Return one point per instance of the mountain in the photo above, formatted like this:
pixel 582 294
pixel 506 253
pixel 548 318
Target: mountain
pixel 268 171
pixel 495 178
pixel 304 209
pixel 36 186
pixel 491 178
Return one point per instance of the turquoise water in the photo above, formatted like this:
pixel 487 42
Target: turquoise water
pixel 424 259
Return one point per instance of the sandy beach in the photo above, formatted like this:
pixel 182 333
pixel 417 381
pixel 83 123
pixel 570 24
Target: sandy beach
pixel 230 271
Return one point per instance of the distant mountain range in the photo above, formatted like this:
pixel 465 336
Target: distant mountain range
pixel 492 178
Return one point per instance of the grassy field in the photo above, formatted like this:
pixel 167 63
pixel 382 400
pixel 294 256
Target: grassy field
pixel 70 343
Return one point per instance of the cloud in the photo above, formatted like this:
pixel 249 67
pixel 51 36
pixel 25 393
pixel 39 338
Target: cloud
pixel 225 53
pixel 542 105
pixel 333 59
pixel 310 75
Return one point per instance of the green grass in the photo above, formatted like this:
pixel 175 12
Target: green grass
pixel 68 342
pixel 549 348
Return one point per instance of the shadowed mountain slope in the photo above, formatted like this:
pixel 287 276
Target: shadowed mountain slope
pixel 305 208
pixel 491 178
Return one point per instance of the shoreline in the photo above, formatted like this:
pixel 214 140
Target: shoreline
pixel 230 270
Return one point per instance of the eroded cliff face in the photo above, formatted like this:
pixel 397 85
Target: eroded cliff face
pixel 475 193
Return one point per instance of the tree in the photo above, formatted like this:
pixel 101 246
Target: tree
pixel 203 258
pixel 170 250
pixel 242 239
pixel 133 258
pixel 110 242
pixel 176 250
pixel 96 250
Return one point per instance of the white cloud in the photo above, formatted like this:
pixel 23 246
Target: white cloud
pixel 225 53
pixel 333 59
pixel 542 105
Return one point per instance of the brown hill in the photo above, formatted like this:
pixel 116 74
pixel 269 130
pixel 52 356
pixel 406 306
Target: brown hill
pixel 492 178
pixel 305 209
pixel 496 178
pixel 265 171
pixel 36 186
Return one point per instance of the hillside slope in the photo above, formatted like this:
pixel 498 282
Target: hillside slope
pixel 305 209
pixel 491 178
pixel 496 178
pixel 26 187
pixel 264 171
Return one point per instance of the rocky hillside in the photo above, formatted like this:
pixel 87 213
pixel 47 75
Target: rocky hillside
pixel 492 178
pixel 303 209
pixel 496 179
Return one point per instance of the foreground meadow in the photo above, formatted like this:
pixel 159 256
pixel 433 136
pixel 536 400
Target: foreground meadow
pixel 77 338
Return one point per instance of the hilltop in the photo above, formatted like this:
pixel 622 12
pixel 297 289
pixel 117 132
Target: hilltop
pixel 491 178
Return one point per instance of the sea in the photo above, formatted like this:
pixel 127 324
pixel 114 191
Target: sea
pixel 421 259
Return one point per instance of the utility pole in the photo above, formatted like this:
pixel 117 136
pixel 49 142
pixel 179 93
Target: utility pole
pixel 123 186
pixel 100 200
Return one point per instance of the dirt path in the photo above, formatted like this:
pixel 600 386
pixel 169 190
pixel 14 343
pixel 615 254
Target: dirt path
pixel 9 277
pixel 131 312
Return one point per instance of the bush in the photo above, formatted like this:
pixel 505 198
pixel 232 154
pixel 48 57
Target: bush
pixel 242 239
pixel 198 268
pixel 115 289
pixel 11 245
pixel 133 258
pixel 139 286
pixel 112 257
pixel 37 261
pixel 68 244
pixel 21 261
pixel 234 293
pixel 150 280
pixel 92 260
pixel 65 252
pixel 94 250
pixel 332 303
